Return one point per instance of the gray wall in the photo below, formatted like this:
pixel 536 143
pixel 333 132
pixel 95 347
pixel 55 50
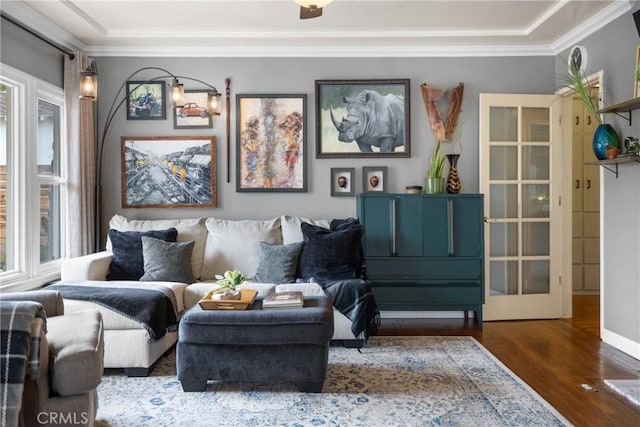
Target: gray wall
pixel 25 52
pixel 290 75
pixel 613 50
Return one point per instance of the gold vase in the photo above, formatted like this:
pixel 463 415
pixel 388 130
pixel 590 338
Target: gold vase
pixel 433 185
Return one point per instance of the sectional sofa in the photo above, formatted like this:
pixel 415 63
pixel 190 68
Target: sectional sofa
pixel 217 245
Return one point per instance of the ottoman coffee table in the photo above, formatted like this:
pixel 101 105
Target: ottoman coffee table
pixel 255 345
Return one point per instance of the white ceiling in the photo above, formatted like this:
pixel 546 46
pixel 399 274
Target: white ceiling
pixel 348 27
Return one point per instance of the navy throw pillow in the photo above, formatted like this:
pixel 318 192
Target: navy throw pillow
pixel 343 224
pixel 329 255
pixel 128 262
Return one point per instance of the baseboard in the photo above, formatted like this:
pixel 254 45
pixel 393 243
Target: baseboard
pixel 623 344
pixel 385 314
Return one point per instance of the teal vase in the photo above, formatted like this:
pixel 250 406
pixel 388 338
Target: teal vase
pixel 604 135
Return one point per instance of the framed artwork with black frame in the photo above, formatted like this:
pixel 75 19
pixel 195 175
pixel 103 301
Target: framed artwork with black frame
pixel 146 100
pixel 343 182
pixel 271 143
pixel 374 179
pixel 362 118
pixel 193 114
pixel 168 171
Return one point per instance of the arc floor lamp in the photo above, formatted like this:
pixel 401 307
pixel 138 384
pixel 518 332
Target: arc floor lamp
pixel 89 90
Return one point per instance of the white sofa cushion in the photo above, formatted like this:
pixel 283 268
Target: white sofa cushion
pixel 235 245
pixel 291 231
pixel 188 230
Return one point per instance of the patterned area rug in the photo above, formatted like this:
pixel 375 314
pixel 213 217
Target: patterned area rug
pixel 627 388
pixel 395 381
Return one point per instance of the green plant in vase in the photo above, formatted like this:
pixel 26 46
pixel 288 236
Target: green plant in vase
pixel 434 181
pixel 227 285
pixel 604 135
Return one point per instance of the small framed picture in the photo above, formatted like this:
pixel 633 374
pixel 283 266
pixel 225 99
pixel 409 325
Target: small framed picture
pixel 193 114
pixel 374 179
pixel 146 100
pixel 342 182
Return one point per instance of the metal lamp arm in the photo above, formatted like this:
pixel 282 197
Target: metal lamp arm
pixel 199 81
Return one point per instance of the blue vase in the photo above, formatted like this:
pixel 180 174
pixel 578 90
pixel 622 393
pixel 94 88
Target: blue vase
pixel 604 135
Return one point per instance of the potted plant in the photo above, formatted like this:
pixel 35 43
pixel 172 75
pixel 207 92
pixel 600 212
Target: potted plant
pixel 604 135
pixel 434 181
pixel 227 286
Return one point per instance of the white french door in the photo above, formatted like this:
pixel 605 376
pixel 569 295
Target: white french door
pixel 520 176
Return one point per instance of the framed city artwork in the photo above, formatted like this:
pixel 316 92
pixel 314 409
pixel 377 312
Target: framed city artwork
pixel 362 118
pixel 271 143
pixel 146 100
pixel 168 172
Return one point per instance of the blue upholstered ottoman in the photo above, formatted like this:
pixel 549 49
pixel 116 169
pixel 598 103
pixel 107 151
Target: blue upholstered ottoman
pixel 255 345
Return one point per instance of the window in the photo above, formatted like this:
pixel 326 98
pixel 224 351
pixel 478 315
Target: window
pixel 32 180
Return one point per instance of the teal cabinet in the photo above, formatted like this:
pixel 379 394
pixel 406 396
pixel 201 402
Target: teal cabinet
pixel 424 252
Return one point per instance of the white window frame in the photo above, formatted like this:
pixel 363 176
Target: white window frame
pixel 27 270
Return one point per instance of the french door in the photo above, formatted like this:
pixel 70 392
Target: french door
pixel 520 176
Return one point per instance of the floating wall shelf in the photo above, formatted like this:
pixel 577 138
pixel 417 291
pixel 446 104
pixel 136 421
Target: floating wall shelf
pixel 609 164
pixel 623 107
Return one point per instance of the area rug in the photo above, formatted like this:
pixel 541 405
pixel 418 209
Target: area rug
pixel 627 388
pixel 394 381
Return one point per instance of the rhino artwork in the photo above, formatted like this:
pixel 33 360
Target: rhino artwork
pixel 372 120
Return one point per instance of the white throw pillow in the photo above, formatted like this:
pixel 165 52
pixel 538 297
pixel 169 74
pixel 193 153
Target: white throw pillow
pixel 235 245
pixel 188 230
pixel 291 232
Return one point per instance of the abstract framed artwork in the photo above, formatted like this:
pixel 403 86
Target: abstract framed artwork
pixel 271 143
pixel 636 74
pixel 168 172
pixel 362 118
pixel 374 179
pixel 146 100
pixel 193 114
pixel 343 182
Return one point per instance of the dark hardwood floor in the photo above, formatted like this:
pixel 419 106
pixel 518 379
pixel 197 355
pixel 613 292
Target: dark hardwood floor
pixel 554 357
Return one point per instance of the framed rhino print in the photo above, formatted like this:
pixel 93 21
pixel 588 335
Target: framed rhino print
pixel 362 118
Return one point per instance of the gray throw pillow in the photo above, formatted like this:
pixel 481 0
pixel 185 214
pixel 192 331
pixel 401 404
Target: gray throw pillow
pixel 278 263
pixel 166 261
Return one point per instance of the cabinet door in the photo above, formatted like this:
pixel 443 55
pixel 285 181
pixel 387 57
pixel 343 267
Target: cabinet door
pixel 452 226
pixel 392 225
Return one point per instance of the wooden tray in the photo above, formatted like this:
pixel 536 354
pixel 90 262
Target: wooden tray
pixel 247 296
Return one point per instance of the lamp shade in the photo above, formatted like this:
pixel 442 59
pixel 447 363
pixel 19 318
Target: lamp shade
pixel 214 103
pixel 88 85
pixel 177 93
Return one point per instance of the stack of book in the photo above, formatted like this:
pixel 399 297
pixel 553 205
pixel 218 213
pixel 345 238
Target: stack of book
pixel 283 300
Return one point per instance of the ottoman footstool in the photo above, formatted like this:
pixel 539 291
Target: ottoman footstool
pixel 255 345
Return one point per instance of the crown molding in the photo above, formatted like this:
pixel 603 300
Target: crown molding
pixel 370 51
pixel 590 26
pixel 31 18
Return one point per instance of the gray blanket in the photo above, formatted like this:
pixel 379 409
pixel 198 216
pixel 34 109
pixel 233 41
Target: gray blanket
pixel 153 306
pixel 20 325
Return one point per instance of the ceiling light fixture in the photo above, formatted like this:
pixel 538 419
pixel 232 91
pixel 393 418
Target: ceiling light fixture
pixel 311 8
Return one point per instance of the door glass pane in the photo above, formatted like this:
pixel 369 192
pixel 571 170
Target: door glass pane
pixel 535 124
pixel 503 124
pixel 503 164
pixel 535 277
pixel 49 223
pixel 535 162
pixel 6 258
pixel 504 277
pixel 535 238
pixel 48 139
pixel 504 239
pixel 535 200
pixel 503 201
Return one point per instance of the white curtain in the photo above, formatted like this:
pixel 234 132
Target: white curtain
pixel 81 161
